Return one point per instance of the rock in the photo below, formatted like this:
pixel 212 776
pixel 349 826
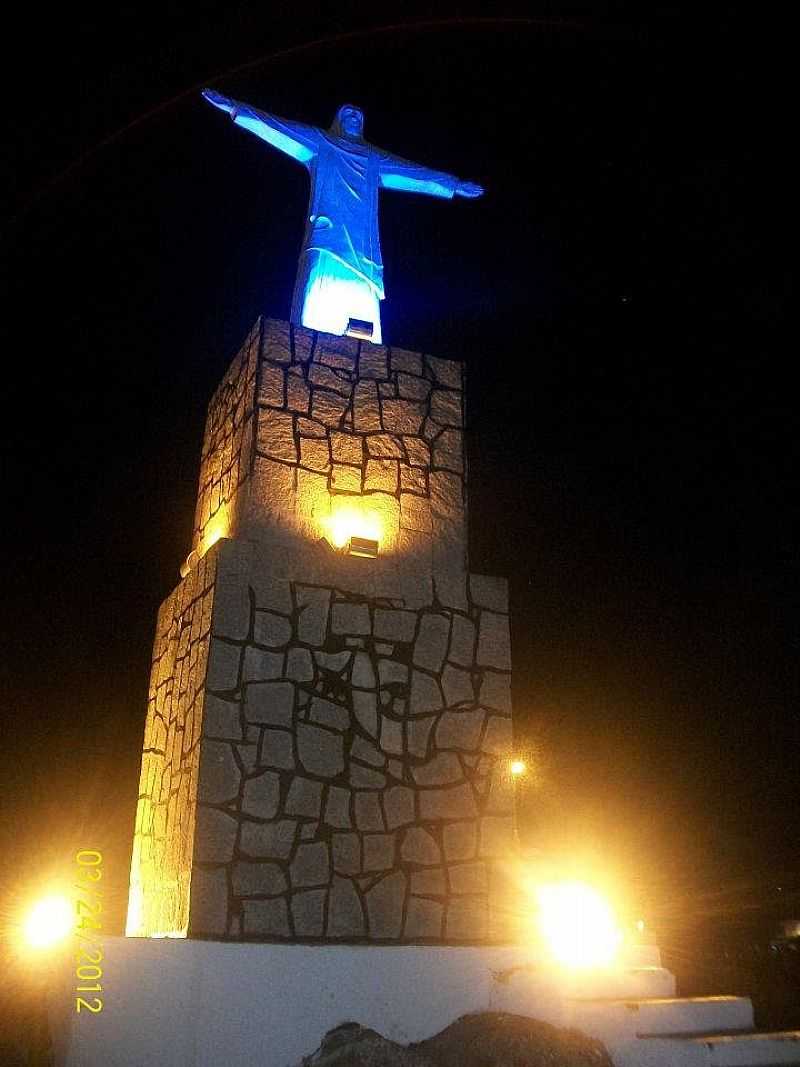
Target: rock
pixel 345 917
pixel 270 703
pixel 328 714
pixel 209 903
pixel 251 879
pixel 425 694
pixel 467 919
pixel 271 630
pixel 304 798
pixel 270 918
pixel 378 852
pixel 277 750
pixel 489 592
pixel 364 707
pixel 313 621
pixel 299 665
pixel 462 641
pixel 428 883
pixel 385 906
pixel 390 671
pixel 391 736
pixel 346 850
pixel 368 812
pixel 321 752
pixel 468 878
pixel 261 796
pixel 459 729
pixel 221 718
pixel 496 691
pixel 460 840
pixel 275 435
pixel 419 733
pixel 419 846
pixel 497 739
pixel 395 625
pixel 260 665
pixel 346 448
pixel 457 686
pixel 223 665
pixel 485 1039
pixel 364 778
pixel 219 773
pixel 363 675
pixel 398 803
pixel 430 647
pixel 456 802
pixel 494 642
pixel 337 808
pixel 424 918
pixel 350 619
pixel 215 834
pixel 308 909
pixel 311 865
pixel 441 770
pixel 384 446
pixel 273 840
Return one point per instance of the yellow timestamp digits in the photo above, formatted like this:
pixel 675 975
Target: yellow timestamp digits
pixel 89 956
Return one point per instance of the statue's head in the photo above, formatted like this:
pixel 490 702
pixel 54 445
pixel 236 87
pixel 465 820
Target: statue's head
pixel 349 122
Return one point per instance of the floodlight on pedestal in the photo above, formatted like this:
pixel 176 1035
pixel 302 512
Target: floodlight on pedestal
pixel 49 922
pixel 362 546
pixel 360 328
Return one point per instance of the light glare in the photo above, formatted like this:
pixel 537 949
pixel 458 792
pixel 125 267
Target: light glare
pixel 518 767
pixel 349 521
pixel 49 921
pixel 578 925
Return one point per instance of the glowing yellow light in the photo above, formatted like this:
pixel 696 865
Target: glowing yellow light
pixel 518 767
pixel 351 520
pixel 640 925
pixel 135 910
pixel 578 925
pixel 215 529
pixel 49 921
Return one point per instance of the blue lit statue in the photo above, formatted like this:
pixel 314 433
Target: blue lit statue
pixel 340 275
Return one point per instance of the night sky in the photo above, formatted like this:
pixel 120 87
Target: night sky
pixel 619 296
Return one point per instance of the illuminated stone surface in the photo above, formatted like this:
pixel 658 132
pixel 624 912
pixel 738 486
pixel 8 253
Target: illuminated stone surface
pixel 327 737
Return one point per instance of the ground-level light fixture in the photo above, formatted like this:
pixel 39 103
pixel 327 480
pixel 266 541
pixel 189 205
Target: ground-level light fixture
pixel 578 925
pixel 354 529
pixel 48 922
pixel 362 546
pixel 517 767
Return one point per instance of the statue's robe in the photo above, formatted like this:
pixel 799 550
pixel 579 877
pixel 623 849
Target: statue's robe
pixel 346 174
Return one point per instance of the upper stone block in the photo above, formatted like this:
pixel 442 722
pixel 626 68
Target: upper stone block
pixel 309 433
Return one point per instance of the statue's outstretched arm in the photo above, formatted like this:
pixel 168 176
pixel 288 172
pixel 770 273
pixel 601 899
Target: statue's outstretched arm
pixel 408 177
pixel 294 138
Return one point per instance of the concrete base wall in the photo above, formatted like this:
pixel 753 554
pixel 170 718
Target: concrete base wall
pixel 183 1003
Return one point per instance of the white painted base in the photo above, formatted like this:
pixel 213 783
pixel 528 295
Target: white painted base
pixel 181 1003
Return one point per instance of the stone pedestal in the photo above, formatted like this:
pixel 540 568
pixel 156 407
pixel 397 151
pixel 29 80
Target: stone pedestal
pixel 326 755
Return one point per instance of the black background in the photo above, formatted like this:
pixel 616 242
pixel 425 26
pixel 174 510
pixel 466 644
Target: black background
pixel 619 296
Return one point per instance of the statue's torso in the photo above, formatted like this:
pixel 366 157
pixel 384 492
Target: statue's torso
pixel 343 206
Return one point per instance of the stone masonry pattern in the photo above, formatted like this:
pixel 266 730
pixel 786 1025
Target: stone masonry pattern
pixel 226 459
pixel 328 738
pixel 308 420
pixel 354 779
pixel 164 835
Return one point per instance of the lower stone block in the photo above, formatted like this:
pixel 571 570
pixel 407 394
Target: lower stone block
pixel 351 765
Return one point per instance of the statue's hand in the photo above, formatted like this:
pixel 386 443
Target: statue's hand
pixel 469 189
pixel 218 100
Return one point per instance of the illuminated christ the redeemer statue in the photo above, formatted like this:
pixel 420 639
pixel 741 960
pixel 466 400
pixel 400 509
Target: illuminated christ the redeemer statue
pixel 340 275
